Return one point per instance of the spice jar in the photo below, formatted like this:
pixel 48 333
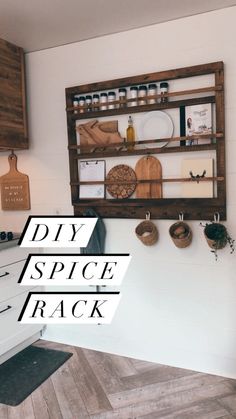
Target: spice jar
pixel 96 102
pixel 164 89
pixel 122 97
pixel 111 99
pixel 75 103
pixel 103 100
pixel 81 104
pixel 142 93
pixel 88 103
pixel 152 91
pixel 133 95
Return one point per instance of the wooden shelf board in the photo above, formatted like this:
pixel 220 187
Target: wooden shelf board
pixel 163 208
pixel 146 151
pixel 143 108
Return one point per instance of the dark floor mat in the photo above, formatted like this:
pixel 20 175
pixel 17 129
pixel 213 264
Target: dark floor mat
pixel 25 371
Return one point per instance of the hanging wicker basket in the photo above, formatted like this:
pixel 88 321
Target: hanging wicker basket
pixel 147 232
pixel 181 234
pixel 216 235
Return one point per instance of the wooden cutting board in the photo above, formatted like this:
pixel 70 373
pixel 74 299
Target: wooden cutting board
pixel 148 167
pixel 14 188
pixel 99 133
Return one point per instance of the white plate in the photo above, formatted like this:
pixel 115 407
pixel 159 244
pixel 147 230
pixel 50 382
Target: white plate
pixel 155 125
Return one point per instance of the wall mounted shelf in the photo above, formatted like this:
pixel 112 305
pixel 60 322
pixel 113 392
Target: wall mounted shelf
pixel 162 208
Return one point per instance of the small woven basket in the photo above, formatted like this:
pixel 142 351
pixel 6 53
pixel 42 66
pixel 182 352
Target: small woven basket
pixel 216 244
pixel 147 232
pixel 184 241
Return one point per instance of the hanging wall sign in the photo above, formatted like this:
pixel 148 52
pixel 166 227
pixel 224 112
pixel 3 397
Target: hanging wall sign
pixel 14 188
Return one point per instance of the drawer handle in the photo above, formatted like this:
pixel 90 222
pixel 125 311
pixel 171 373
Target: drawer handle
pixel 5 309
pixel 5 274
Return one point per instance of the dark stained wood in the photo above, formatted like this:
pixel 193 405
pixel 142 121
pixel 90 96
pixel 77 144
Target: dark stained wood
pixel 72 140
pixel 163 208
pixel 147 181
pixel 220 150
pixel 144 108
pixel 145 151
pixel 13 124
pixel 195 209
pixel 124 145
pixel 157 96
pixel 98 385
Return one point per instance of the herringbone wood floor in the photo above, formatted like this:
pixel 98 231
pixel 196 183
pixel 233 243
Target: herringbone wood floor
pixel 97 385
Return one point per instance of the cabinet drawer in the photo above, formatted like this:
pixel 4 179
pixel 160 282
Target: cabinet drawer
pixel 11 331
pixel 13 254
pixel 9 276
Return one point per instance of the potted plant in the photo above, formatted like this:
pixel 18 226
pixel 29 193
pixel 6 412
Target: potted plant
pixel 217 237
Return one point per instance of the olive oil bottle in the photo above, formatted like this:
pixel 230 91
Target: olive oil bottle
pixel 130 134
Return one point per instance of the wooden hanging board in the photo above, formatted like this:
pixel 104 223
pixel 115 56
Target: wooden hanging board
pixel 148 168
pixel 14 188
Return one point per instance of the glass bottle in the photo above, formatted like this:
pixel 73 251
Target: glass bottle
pixel 130 134
pixel 164 89
pixel 133 95
pixel 142 93
pixel 88 103
pixel 75 103
pixel 111 99
pixel 152 91
pixel 122 97
pixel 103 101
pixel 81 104
pixel 95 102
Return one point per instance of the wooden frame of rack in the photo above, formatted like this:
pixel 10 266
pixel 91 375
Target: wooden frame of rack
pixel 163 208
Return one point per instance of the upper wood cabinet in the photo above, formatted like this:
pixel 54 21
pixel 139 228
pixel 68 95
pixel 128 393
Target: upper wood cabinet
pixel 13 124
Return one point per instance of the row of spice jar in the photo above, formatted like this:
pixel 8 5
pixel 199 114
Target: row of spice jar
pixel 137 95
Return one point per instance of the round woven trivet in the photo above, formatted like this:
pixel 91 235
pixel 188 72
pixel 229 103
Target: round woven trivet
pixel 121 173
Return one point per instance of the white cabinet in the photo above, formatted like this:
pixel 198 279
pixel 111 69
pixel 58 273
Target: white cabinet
pixel 14 336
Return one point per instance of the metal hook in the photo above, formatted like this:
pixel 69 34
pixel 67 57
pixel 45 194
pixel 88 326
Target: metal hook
pixel 148 215
pixel 181 216
pixel 197 177
pixel 217 217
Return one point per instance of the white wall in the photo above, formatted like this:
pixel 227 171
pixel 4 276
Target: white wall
pixel 179 305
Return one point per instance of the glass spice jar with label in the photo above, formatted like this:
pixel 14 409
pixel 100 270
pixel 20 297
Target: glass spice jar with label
pixel 88 103
pixel 163 90
pixel 103 101
pixel 95 102
pixel 122 97
pixel 152 91
pixel 75 103
pixel 111 100
pixel 133 94
pixel 142 93
pixel 81 104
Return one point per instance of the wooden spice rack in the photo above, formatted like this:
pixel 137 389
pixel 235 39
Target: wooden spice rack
pixel 163 208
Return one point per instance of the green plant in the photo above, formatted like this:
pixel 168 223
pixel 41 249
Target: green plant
pixel 217 237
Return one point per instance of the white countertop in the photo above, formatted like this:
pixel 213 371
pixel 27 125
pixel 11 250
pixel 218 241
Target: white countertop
pixel 6 244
